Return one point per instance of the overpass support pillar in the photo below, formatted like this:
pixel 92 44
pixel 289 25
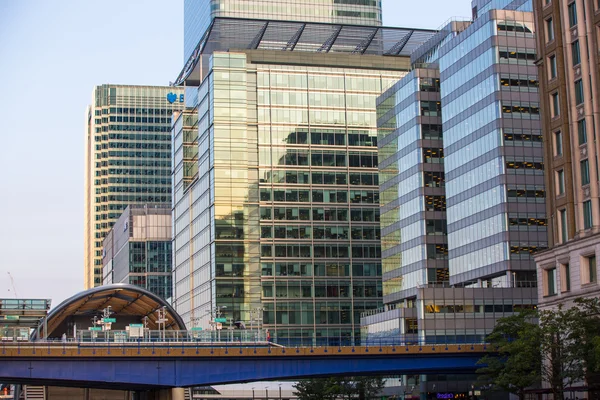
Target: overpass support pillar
pixel 423 387
pixel 178 394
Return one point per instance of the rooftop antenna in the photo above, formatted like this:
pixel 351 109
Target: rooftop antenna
pixel 12 282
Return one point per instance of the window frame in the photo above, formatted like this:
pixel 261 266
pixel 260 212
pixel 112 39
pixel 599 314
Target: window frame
pixel 565 277
pixel 560 182
pixel 551 287
pixel 564 234
pixel 549 29
pixel 558 143
pixel 589 269
pixel 552 67
pixel 555 103
pixel 572 14
pixel 579 94
pixel 586 210
pixel 584 170
pixel 582 132
pixel 576 52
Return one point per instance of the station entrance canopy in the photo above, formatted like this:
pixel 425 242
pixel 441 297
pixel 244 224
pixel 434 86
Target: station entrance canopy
pixel 128 303
pixel 225 34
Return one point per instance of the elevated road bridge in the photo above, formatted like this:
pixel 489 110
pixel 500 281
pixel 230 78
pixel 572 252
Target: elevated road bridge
pixel 149 366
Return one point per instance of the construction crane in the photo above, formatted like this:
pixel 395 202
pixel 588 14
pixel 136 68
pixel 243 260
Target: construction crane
pixel 12 282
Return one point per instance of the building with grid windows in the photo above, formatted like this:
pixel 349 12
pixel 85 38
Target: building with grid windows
pixel 462 243
pixel 127 159
pixel 569 80
pixel 138 249
pixel 462 187
pixel 276 200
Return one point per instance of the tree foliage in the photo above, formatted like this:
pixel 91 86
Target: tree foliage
pixel 560 346
pixel 361 388
pixel 515 361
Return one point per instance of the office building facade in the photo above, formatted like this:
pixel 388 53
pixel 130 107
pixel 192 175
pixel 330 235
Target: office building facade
pixel 493 153
pixel 492 189
pixel 127 159
pixel 138 249
pixel 282 218
pixel 569 75
pixel 413 204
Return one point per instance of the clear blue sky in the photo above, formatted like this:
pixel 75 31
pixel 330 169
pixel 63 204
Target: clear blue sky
pixel 52 53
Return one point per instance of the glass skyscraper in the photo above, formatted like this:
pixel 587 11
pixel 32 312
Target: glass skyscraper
pixel 276 200
pixel 459 239
pixel 198 14
pixel 462 208
pixel 283 214
pixel 493 151
pixel 127 159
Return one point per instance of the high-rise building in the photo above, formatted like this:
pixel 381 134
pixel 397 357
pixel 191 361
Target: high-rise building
pixel 413 203
pixel 199 14
pixel 489 195
pixel 127 159
pixel 137 250
pixel 462 187
pixel 493 151
pixel 276 200
pixel 569 81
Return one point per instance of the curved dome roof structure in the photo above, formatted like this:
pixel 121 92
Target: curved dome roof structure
pixel 129 304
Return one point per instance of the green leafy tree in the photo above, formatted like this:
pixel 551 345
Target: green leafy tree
pixel 561 335
pixel 586 321
pixel 562 350
pixel 514 361
pixel 316 389
pixel 368 387
pixel 361 388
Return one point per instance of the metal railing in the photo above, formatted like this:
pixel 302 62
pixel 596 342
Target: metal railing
pixel 245 338
pixel 150 336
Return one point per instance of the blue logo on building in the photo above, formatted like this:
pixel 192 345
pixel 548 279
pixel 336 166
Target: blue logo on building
pixel 172 97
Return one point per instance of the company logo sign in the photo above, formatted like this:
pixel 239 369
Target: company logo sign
pixel 172 97
pixel 444 395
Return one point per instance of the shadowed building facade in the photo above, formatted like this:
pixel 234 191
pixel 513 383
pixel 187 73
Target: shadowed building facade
pixel 138 249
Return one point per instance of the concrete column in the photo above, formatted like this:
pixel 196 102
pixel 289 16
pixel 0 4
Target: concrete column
pixel 17 392
pixel 178 394
pixel 423 387
pixel 86 394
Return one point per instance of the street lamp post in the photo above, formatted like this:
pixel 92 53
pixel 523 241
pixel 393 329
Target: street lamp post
pixel 215 313
pixel 252 393
pixel 266 393
pixel 280 391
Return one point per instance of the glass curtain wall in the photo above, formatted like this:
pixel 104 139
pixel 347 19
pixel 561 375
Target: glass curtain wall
pixel 291 153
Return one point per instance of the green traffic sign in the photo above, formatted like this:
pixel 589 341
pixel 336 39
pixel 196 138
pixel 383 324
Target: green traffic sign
pixel 106 320
pixel 94 328
pixel 136 325
pixel 221 320
pixel 11 317
pixel 196 329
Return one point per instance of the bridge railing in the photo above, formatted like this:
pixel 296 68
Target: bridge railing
pixel 154 336
pixel 246 338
